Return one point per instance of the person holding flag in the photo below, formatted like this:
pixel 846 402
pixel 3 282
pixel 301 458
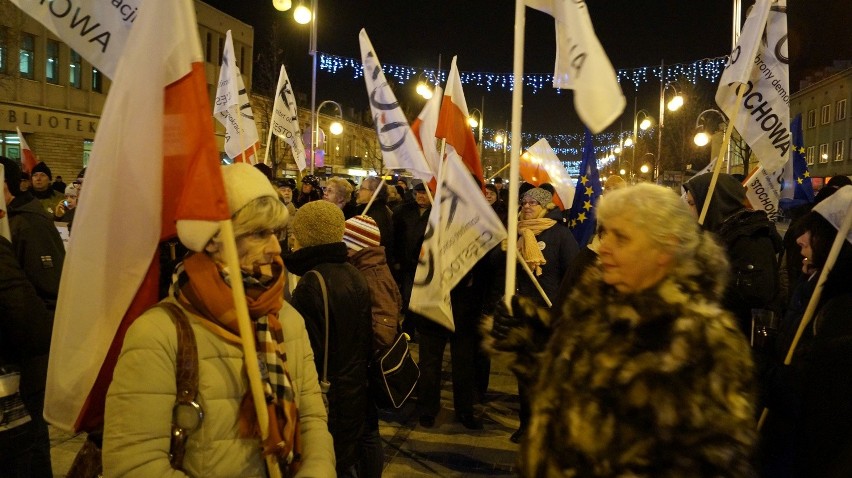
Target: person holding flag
pixel 581 216
pixel 141 398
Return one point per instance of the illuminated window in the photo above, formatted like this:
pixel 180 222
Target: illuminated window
pixel 75 68
pixel 810 154
pixel 26 65
pixel 840 110
pixel 97 81
pixel 823 153
pixel 838 150
pixel 826 114
pixel 51 67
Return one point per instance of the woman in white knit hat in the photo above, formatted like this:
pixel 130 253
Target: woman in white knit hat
pixel 219 429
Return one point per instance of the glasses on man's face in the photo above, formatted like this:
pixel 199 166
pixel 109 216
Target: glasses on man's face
pixel 263 234
pixel 529 203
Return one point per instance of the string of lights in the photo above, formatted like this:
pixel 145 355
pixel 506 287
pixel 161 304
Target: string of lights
pixel 709 69
pixel 567 144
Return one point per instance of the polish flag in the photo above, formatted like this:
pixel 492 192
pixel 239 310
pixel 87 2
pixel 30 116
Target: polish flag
pixel 28 158
pixel 453 126
pixel 156 128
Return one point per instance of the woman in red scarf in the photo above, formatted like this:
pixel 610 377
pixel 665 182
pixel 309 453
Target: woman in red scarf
pixel 225 440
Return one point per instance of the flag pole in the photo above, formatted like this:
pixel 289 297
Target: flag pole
pixel 498 172
pixel 726 139
pixel 268 138
pixel 815 297
pixel 534 280
pixel 375 193
pixel 229 250
pixel 517 99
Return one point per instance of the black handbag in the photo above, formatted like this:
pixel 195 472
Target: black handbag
pixel 393 374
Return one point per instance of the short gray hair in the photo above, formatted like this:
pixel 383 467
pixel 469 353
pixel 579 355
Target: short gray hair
pixel 341 188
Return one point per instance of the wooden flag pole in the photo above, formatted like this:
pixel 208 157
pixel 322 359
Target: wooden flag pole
pixel 726 139
pixel 517 101
pixel 498 172
pixel 375 193
pixel 534 280
pixel 238 293
pixel 268 139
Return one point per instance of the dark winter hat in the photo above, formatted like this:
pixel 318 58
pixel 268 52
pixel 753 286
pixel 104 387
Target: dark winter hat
pixel 317 223
pixel 266 170
pixel 540 195
pixel 285 183
pixel 498 180
pixel 312 180
pixel 41 167
pixel 12 175
pixel 420 187
pixel 492 187
pixel 361 232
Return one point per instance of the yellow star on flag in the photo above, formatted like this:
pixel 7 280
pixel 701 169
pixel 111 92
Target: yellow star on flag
pixel 587 205
pixel 583 180
pixel 589 191
pixel 807 174
pixel 800 180
pixel 802 150
pixel 581 217
pixel 573 223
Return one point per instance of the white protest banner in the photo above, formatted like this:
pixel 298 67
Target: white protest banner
pixel 96 29
pixel 765 104
pixel 462 229
pixel 232 108
pixel 285 119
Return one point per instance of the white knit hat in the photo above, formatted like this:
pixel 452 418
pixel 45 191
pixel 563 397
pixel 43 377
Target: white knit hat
pixel 243 184
pixel 361 232
pixel 836 207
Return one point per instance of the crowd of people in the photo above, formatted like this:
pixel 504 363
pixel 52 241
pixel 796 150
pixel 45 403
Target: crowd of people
pixel 636 354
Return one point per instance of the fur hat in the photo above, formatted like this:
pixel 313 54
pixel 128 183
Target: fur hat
pixel 317 223
pixel 71 191
pixel 538 194
pixel 836 207
pixel 361 232
pixel 41 167
pixel 243 184
pixel 12 175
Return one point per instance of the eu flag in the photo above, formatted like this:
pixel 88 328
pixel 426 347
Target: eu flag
pixel 803 191
pixel 581 217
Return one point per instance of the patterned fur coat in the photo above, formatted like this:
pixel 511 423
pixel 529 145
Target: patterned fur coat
pixel 654 384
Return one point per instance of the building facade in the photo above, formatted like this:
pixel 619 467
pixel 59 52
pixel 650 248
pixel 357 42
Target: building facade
pixel 823 101
pixel 56 97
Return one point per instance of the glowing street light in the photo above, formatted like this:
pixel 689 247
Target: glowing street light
pixel 701 137
pixel 302 15
pixel 282 5
pixel 424 90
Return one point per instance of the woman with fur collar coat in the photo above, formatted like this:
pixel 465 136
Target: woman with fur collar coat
pixel 643 373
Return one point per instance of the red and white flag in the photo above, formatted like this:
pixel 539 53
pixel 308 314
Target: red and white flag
pixel 453 125
pixel 233 109
pixel 396 140
pixel 28 158
pixel 167 146
pixel 424 127
pixel 542 165
pixel 582 64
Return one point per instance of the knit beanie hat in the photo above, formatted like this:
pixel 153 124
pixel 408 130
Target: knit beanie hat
pixel 538 194
pixel 361 232
pixel 243 184
pixel 12 175
pixel 41 167
pixel 317 223
pixel 71 191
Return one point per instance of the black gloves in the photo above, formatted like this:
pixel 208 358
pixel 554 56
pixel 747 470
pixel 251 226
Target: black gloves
pixel 526 327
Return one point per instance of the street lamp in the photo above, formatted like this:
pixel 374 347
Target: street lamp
pixel 282 5
pixel 701 137
pixel 501 136
pixel 473 122
pixel 637 125
pixel 673 105
pixel 334 128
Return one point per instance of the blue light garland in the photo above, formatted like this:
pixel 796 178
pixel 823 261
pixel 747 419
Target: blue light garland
pixel 709 69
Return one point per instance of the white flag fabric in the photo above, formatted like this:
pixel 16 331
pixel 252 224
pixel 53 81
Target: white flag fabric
pixel 462 229
pixel 759 64
pixel 285 119
pixel 582 64
pixel 424 128
pixel 763 191
pixel 398 144
pixel 233 110
pixel 97 33
pixel 167 146
pixel 453 126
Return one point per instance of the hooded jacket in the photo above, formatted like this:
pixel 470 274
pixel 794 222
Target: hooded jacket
pixel 384 294
pixel 751 242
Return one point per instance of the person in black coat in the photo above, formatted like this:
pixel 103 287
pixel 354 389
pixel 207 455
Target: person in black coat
pixel 808 427
pixel 318 229
pixel 751 241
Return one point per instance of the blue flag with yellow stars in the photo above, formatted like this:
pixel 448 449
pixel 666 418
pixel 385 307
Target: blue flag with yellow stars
pixel 581 217
pixel 803 190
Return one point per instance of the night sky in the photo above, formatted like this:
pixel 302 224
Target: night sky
pixel 634 34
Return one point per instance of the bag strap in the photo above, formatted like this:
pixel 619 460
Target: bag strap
pixel 187 414
pixel 325 310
